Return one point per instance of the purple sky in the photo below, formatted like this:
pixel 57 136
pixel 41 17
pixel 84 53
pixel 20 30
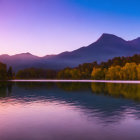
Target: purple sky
pixel 44 27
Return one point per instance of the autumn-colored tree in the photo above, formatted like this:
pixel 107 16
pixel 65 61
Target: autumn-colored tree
pixel 138 72
pixel 98 74
pixel 118 68
pixel 129 71
pixel 113 73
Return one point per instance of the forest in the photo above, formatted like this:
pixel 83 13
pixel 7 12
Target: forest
pixel 4 73
pixel 118 68
pixel 36 73
pixel 130 71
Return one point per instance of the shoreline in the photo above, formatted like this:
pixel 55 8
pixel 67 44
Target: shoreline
pixel 84 81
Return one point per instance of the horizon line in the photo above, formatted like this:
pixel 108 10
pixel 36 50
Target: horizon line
pixel 66 50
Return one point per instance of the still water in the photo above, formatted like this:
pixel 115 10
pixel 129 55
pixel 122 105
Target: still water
pixel 69 111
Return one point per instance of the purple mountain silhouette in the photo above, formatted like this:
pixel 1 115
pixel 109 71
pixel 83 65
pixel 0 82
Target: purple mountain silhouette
pixel 106 47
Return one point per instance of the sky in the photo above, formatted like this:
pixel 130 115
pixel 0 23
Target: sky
pixel 44 27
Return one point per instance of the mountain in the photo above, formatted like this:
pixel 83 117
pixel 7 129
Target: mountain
pixel 135 42
pixel 106 47
pixel 19 61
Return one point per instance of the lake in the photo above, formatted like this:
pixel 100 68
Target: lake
pixel 69 111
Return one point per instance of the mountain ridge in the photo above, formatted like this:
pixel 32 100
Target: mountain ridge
pixel 106 47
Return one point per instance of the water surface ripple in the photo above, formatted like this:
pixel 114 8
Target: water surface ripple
pixel 69 111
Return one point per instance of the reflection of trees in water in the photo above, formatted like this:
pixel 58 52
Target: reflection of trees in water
pixel 35 85
pixel 128 91
pixel 5 89
pixel 67 86
pixel 73 86
pixel 109 110
pixel 117 90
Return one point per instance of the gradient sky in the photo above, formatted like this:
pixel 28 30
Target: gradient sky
pixel 44 27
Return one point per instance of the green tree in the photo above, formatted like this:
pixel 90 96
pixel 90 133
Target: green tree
pixel 3 71
pixel 10 73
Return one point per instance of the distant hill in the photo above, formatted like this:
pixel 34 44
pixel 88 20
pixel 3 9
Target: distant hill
pixel 106 47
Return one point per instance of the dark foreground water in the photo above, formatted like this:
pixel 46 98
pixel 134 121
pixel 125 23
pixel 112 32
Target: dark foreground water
pixel 69 111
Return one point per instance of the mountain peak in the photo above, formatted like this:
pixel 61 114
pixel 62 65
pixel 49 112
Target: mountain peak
pixel 27 53
pixel 106 47
pixel 109 39
pixel 106 36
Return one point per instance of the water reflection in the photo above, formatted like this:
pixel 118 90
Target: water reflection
pixel 127 91
pixel 102 97
pixel 69 110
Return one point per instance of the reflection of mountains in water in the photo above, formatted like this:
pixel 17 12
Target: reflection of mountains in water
pixel 87 96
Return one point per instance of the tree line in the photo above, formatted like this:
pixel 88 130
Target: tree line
pixel 36 73
pixel 81 72
pixel 118 68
